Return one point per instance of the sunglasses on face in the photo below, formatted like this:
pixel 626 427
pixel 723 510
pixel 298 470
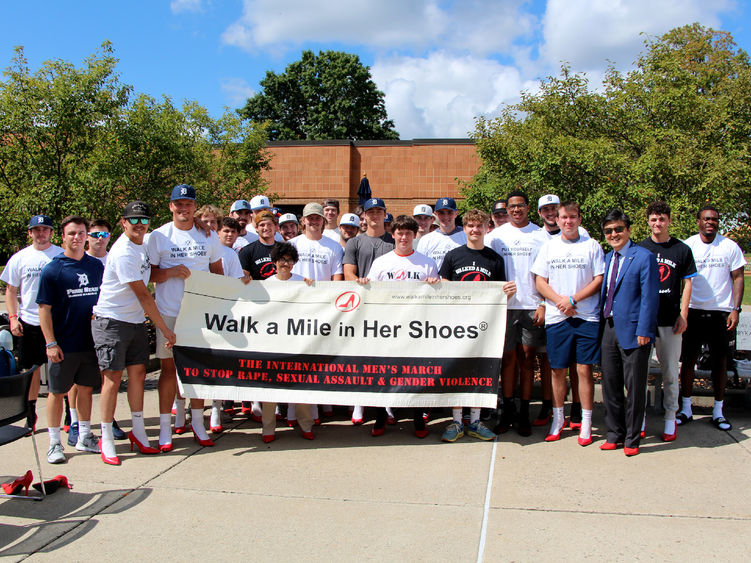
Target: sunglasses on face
pixel 610 230
pixel 99 234
pixel 136 220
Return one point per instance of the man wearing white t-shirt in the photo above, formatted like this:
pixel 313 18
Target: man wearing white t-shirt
pixel 320 258
pixel 174 249
pixel 331 214
pixel 402 264
pixel 119 332
pixel 21 274
pixel 447 236
pixel 240 212
pixel 569 272
pixel 713 312
pixel 517 243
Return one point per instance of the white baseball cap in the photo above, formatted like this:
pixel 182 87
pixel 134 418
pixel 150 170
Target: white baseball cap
pixel 287 218
pixel 550 199
pixel 422 209
pixel 259 202
pixel 349 219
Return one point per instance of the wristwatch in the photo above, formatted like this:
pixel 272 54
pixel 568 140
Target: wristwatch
pixel 739 308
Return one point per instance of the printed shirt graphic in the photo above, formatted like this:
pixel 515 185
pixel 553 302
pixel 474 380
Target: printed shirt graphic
pixel 713 287
pixel 466 264
pixel 256 259
pixel 318 259
pixel 518 248
pixel 675 263
pixel 392 267
pixel 169 246
pixel 23 271
pixel 71 288
pixel 435 245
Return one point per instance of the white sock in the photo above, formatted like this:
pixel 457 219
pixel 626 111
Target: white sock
pixel 686 406
pixel 216 414
pixel 84 429
pixel 196 422
pixel 357 413
pixel 277 411
pixel 73 416
pixel 54 434
pixel 717 410
pixel 644 423
pixel 586 429
pixel 256 406
pixel 165 429
pixel 108 441
pixel 456 414
pixel 314 412
pixel 558 419
pixel 389 412
pixel 180 412
pixel 474 415
pixel 669 427
pixel 291 412
pixel 138 427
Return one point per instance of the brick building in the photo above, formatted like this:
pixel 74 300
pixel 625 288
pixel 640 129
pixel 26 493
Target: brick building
pixel 403 173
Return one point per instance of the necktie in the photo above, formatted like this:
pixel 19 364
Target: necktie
pixel 611 285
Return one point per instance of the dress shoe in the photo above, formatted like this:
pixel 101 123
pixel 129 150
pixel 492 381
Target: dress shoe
pixel 607 446
pixel 585 441
pixel 254 417
pixel 117 432
pixel 554 437
pixel 357 421
pixel 543 421
pixel 574 425
pixel 670 437
pixel 643 434
pixel 180 429
pixel 19 484
pixel 164 448
pixel 421 433
pixel 308 435
pixel 390 420
pixel 216 429
pixel 377 431
pixel 630 452
pixel 208 442
pixel 141 448
pixel 268 438
pixel 292 422
pixel 316 422
pixel 114 460
pixel 51 485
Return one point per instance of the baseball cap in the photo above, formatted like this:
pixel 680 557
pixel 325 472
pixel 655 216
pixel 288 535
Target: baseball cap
pixel 445 203
pixel 373 203
pixel 349 219
pixel 497 208
pixel 422 209
pixel 275 210
pixel 259 202
pixel 313 209
pixel 287 218
pixel 40 221
pixel 389 218
pixel 183 191
pixel 240 205
pixel 550 199
pixel 136 209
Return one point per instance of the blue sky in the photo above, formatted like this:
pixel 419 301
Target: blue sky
pixel 439 62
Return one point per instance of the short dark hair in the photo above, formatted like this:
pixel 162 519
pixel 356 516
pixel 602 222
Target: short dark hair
pixel 331 203
pixel 616 215
pixel 518 193
pixel 707 208
pixel 282 249
pixel 101 223
pixel 569 205
pixel 358 210
pixel 658 207
pixel 404 222
pixel 231 222
pixel 77 219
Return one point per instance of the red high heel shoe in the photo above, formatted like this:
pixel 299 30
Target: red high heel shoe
pixel 164 448
pixel 217 429
pixel 108 460
pixel 15 487
pixel 181 429
pixel 208 442
pixel 141 448
pixel 51 485
pixel 555 437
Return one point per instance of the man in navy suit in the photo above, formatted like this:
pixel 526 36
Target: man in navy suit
pixel 630 300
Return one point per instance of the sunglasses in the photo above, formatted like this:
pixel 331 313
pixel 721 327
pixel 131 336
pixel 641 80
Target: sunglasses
pixel 136 220
pixel 610 230
pixel 99 234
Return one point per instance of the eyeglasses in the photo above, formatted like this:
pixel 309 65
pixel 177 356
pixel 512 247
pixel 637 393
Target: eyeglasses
pixel 516 206
pixel 611 230
pixel 285 261
pixel 136 220
pixel 99 234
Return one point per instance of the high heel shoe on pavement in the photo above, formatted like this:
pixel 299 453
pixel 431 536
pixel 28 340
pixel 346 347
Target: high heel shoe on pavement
pixel 141 448
pixel 164 448
pixel 181 429
pixel 52 485
pixel 17 485
pixel 108 460
pixel 208 442
pixel 555 437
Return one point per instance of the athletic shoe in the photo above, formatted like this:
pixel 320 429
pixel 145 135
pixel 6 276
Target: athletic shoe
pixel 117 432
pixel 73 434
pixel 453 432
pixel 88 443
pixel 55 453
pixel 480 431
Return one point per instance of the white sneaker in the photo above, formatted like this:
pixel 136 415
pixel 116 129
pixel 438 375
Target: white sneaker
pixel 55 453
pixel 88 443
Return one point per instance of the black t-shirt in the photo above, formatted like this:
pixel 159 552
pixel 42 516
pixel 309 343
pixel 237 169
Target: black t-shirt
pixel 465 264
pixel 675 262
pixel 256 259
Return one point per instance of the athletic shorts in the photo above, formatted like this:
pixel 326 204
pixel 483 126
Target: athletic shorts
pixel 31 347
pixel 119 344
pixel 707 327
pixel 573 340
pixel 77 367
pixel 521 330
pixel 161 352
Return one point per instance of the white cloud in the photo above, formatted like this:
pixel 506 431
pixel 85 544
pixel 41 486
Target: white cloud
pixel 440 95
pixel 178 6
pixel 236 91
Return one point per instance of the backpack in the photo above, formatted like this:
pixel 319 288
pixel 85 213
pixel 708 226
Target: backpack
pixel 7 362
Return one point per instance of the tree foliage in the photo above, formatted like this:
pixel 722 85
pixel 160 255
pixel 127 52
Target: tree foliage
pixel 76 140
pixel 326 96
pixel 677 127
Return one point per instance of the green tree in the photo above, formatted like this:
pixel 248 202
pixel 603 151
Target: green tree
pixel 326 96
pixel 677 127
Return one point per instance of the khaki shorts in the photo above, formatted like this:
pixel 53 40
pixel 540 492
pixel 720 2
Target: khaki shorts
pixel 161 352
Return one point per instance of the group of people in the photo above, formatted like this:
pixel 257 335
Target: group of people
pixel 81 309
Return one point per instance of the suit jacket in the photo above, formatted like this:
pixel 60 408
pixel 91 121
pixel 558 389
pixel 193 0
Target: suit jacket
pixel 636 299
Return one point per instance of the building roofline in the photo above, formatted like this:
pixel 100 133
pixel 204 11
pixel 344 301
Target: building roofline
pixel 363 143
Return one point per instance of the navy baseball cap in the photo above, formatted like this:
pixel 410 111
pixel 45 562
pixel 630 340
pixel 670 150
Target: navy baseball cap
pixel 445 203
pixel 41 221
pixel 183 191
pixel 389 218
pixel 373 203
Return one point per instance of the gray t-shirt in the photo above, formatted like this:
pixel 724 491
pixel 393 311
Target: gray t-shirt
pixel 362 250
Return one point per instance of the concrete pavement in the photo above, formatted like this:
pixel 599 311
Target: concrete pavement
pixel 349 497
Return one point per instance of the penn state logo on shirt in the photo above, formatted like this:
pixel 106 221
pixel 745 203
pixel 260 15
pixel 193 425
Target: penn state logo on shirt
pixel 83 279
